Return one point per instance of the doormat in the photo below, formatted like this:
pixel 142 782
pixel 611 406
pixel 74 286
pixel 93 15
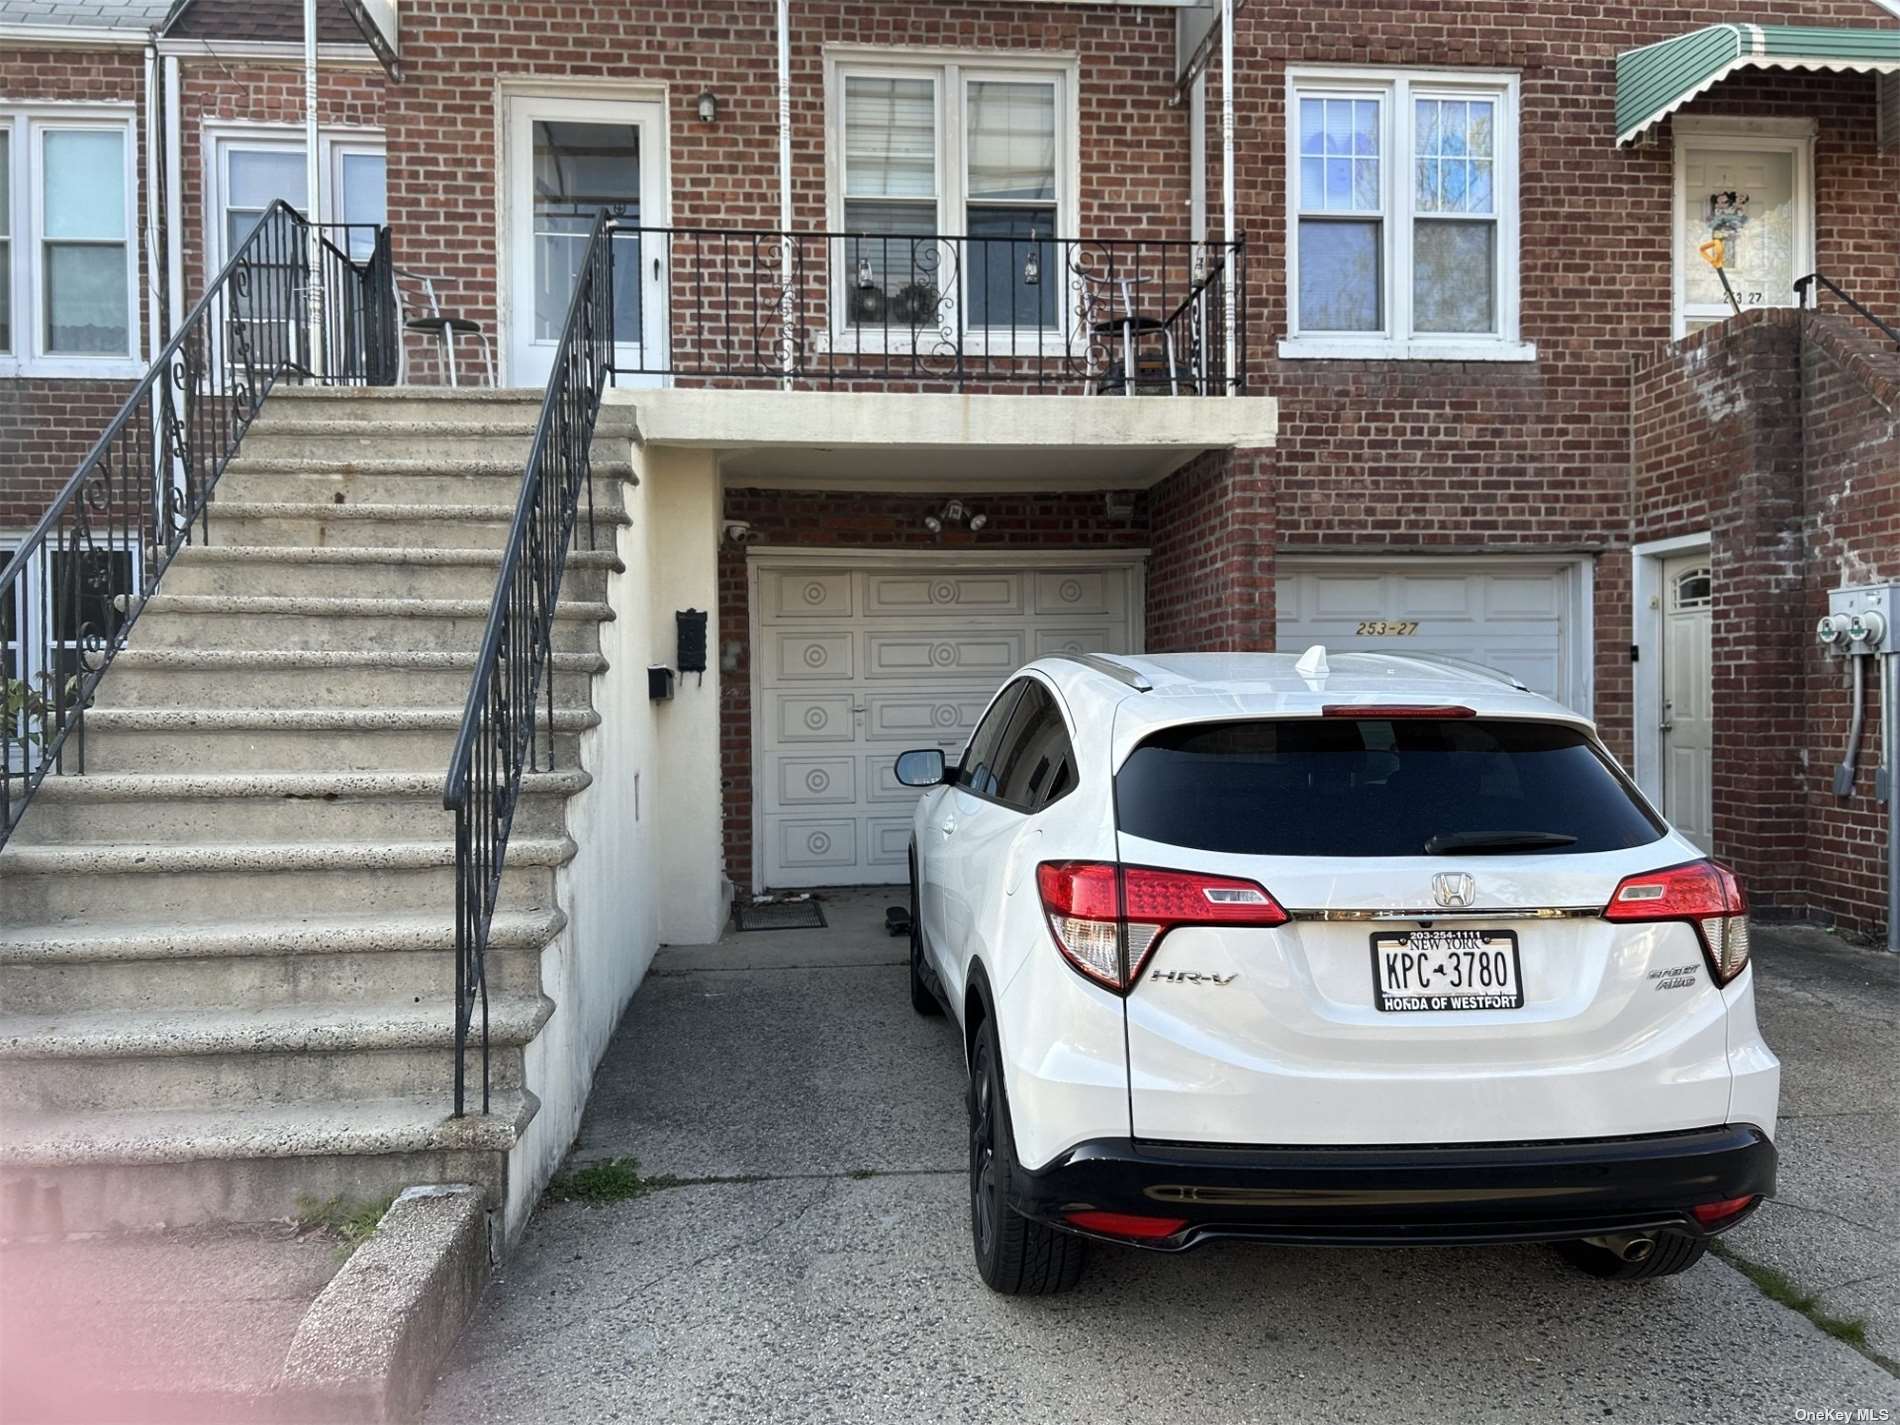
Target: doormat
pixel 778 915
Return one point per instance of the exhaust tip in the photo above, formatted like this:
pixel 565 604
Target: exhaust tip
pixel 1637 1249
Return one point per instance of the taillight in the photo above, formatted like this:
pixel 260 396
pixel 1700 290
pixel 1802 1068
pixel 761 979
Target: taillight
pixel 1107 919
pixel 1703 893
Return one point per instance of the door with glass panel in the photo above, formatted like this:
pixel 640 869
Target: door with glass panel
pixel 566 160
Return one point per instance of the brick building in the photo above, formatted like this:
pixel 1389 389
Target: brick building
pixel 1484 398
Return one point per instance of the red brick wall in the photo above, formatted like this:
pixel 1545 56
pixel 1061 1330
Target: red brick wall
pixel 1850 389
pixel 48 424
pixel 1210 580
pixel 1029 522
pixel 1779 434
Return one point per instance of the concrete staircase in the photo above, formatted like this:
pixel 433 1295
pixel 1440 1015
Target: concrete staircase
pixel 227 950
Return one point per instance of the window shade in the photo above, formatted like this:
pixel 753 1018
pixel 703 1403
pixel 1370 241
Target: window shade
pixel 1012 139
pixel 890 137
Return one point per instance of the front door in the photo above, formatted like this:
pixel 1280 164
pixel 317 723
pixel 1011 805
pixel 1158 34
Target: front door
pixel 1688 725
pixel 566 160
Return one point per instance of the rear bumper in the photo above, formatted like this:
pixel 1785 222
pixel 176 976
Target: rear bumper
pixel 1489 1192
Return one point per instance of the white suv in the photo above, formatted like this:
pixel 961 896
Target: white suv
pixel 1379 950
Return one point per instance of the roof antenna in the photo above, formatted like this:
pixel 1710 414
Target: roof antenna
pixel 1313 663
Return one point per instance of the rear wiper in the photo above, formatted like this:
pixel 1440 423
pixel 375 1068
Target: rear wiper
pixel 1445 843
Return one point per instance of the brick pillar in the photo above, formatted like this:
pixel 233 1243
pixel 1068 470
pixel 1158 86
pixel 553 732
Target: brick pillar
pixel 1210 576
pixel 1759 625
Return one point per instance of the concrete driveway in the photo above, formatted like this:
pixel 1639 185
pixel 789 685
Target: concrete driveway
pixel 806 1254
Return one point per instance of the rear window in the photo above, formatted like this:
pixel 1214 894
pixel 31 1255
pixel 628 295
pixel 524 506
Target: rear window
pixel 1348 787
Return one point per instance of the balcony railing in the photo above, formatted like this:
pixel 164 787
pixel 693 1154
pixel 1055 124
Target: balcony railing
pixel 1085 316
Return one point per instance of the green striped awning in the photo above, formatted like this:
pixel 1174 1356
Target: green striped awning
pixel 1656 80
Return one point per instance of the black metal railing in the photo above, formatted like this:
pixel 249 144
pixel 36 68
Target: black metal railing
pixel 72 589
pixel 1103 316
pixel 503 732
pixel 1807 292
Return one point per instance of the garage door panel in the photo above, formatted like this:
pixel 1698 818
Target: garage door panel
pixel 802 843
pixel 1098 592
pixel 951 596
pixel 795 719
pixel 1101 639
pixel 856 666
pixel 887 845
pixel 1418 597
pixel 1344 596
pixel 1519 600
pixel 880 778
pixel 814 781
pixel 806 596
pixel 1510 616
pixel 924 719
pixel 810 657
pixel 911 655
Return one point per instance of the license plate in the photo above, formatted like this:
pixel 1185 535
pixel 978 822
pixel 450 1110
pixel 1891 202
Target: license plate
pixel 1445 970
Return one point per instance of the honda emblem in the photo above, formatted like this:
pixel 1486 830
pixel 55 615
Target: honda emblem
pixel 1454 890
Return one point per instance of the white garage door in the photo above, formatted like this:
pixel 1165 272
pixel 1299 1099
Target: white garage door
pixel 855 665
pixel 1524 618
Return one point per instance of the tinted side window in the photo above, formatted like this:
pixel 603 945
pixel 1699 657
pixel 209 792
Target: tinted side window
pixel 979 757
pixel 1343 787
pixel 1033 761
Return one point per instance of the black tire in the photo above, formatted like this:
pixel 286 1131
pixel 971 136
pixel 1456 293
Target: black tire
pixel 1674 1252
pixel 922 999
pixel 1014 1256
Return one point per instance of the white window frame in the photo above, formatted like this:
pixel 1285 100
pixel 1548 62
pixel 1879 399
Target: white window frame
pixel 952 71
pixel 27 125
pixel 221 139
pixel 1396 89
pixel 1793 136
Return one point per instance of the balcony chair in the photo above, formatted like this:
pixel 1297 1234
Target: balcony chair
pixel 445 327
pixel 1132 326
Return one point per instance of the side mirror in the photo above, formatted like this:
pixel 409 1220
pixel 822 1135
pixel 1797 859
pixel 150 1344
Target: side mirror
pixel 922 768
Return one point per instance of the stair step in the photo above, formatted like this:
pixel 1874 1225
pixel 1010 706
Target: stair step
pixel 259 964
pixel 136 942
pixel 364 482
pixel 423 468
pixel 132 1169
pixel 174 808
pixel 254 571
pixel 58 884
pixel 322 522
pixel 266 621
pixel 233 1058
pixel 299 677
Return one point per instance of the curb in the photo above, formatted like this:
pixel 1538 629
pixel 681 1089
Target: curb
pixel 367 1349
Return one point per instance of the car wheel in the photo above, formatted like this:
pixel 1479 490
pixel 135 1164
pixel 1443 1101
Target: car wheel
pixel 1014 1256
pixel 1674 1252
pixel 921 998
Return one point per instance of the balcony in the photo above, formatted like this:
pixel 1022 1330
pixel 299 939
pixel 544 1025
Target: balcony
pixel 842 311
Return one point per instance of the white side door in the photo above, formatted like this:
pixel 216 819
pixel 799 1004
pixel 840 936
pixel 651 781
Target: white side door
pixel 567 159
pixel 1688 724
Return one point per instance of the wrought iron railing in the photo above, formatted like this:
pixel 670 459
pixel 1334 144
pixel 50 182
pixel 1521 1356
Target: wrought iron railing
pixel 72 589
pixel 1098 316
pixel 1807 292
pixel 504 732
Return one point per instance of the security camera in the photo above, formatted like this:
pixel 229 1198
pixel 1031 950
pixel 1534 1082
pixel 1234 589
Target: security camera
pixel 738 531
